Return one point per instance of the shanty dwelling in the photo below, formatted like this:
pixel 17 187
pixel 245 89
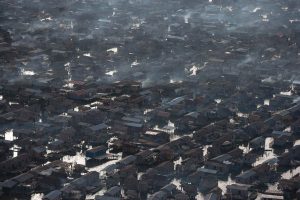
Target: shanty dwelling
pixel 188 166
pixel 290 157
pixel 147 96
pixel 126 161
pixel 24 185
pixel 8 185
pixel 98 128
pixel 191 121
pixel 130 183
pixel 1 191
pixel 89 179
pixel 67 135
pixel 113 192
pixel 128 86
pixel 22 178
pixel 143 187
pixel 222 139
pixel 298 193
pixel 211 137
pixel 154 179
pixel 170 189
pixel 213 196
pixel 204 172
pixel 112 180
pixel 73 194
pixel 159 137
pixel 204 179
pixel 50 178
pixel 25 115
pixel 179 146
pixel 146 157
pixel 220 167
pixel 160 195
pixel 181 196
pixel 56 145
pixel 249 158
pixel 96 152
pixel 78 188
pixel 60 120
pixel 290 186
pixel 196 153
pixel 127 147
pixel 94 116
pixel 132 194
pixel 296 127
pixel 257 143
pixel 161 115
pixel 97 134
pixel 109 170
pixel 4 149
pixel 129 130
pixel 166 168
pixel 159 181
pixel 271 197
pixel 134 125
pixel 247 177
pixel 166 153
pixel 241 136
pixel 128 170
pixel 239 192
pixel 226 146
pixel 177 110
pixel 201 134
pixel 54 195
pixel 221 164
pixel 7 117
pixel 282 139
pixel 78 117
pixel 38 152
pixel 97 155
pixel 17 163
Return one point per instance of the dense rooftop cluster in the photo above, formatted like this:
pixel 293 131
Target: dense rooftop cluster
pixel 162 142
pixel 140 99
